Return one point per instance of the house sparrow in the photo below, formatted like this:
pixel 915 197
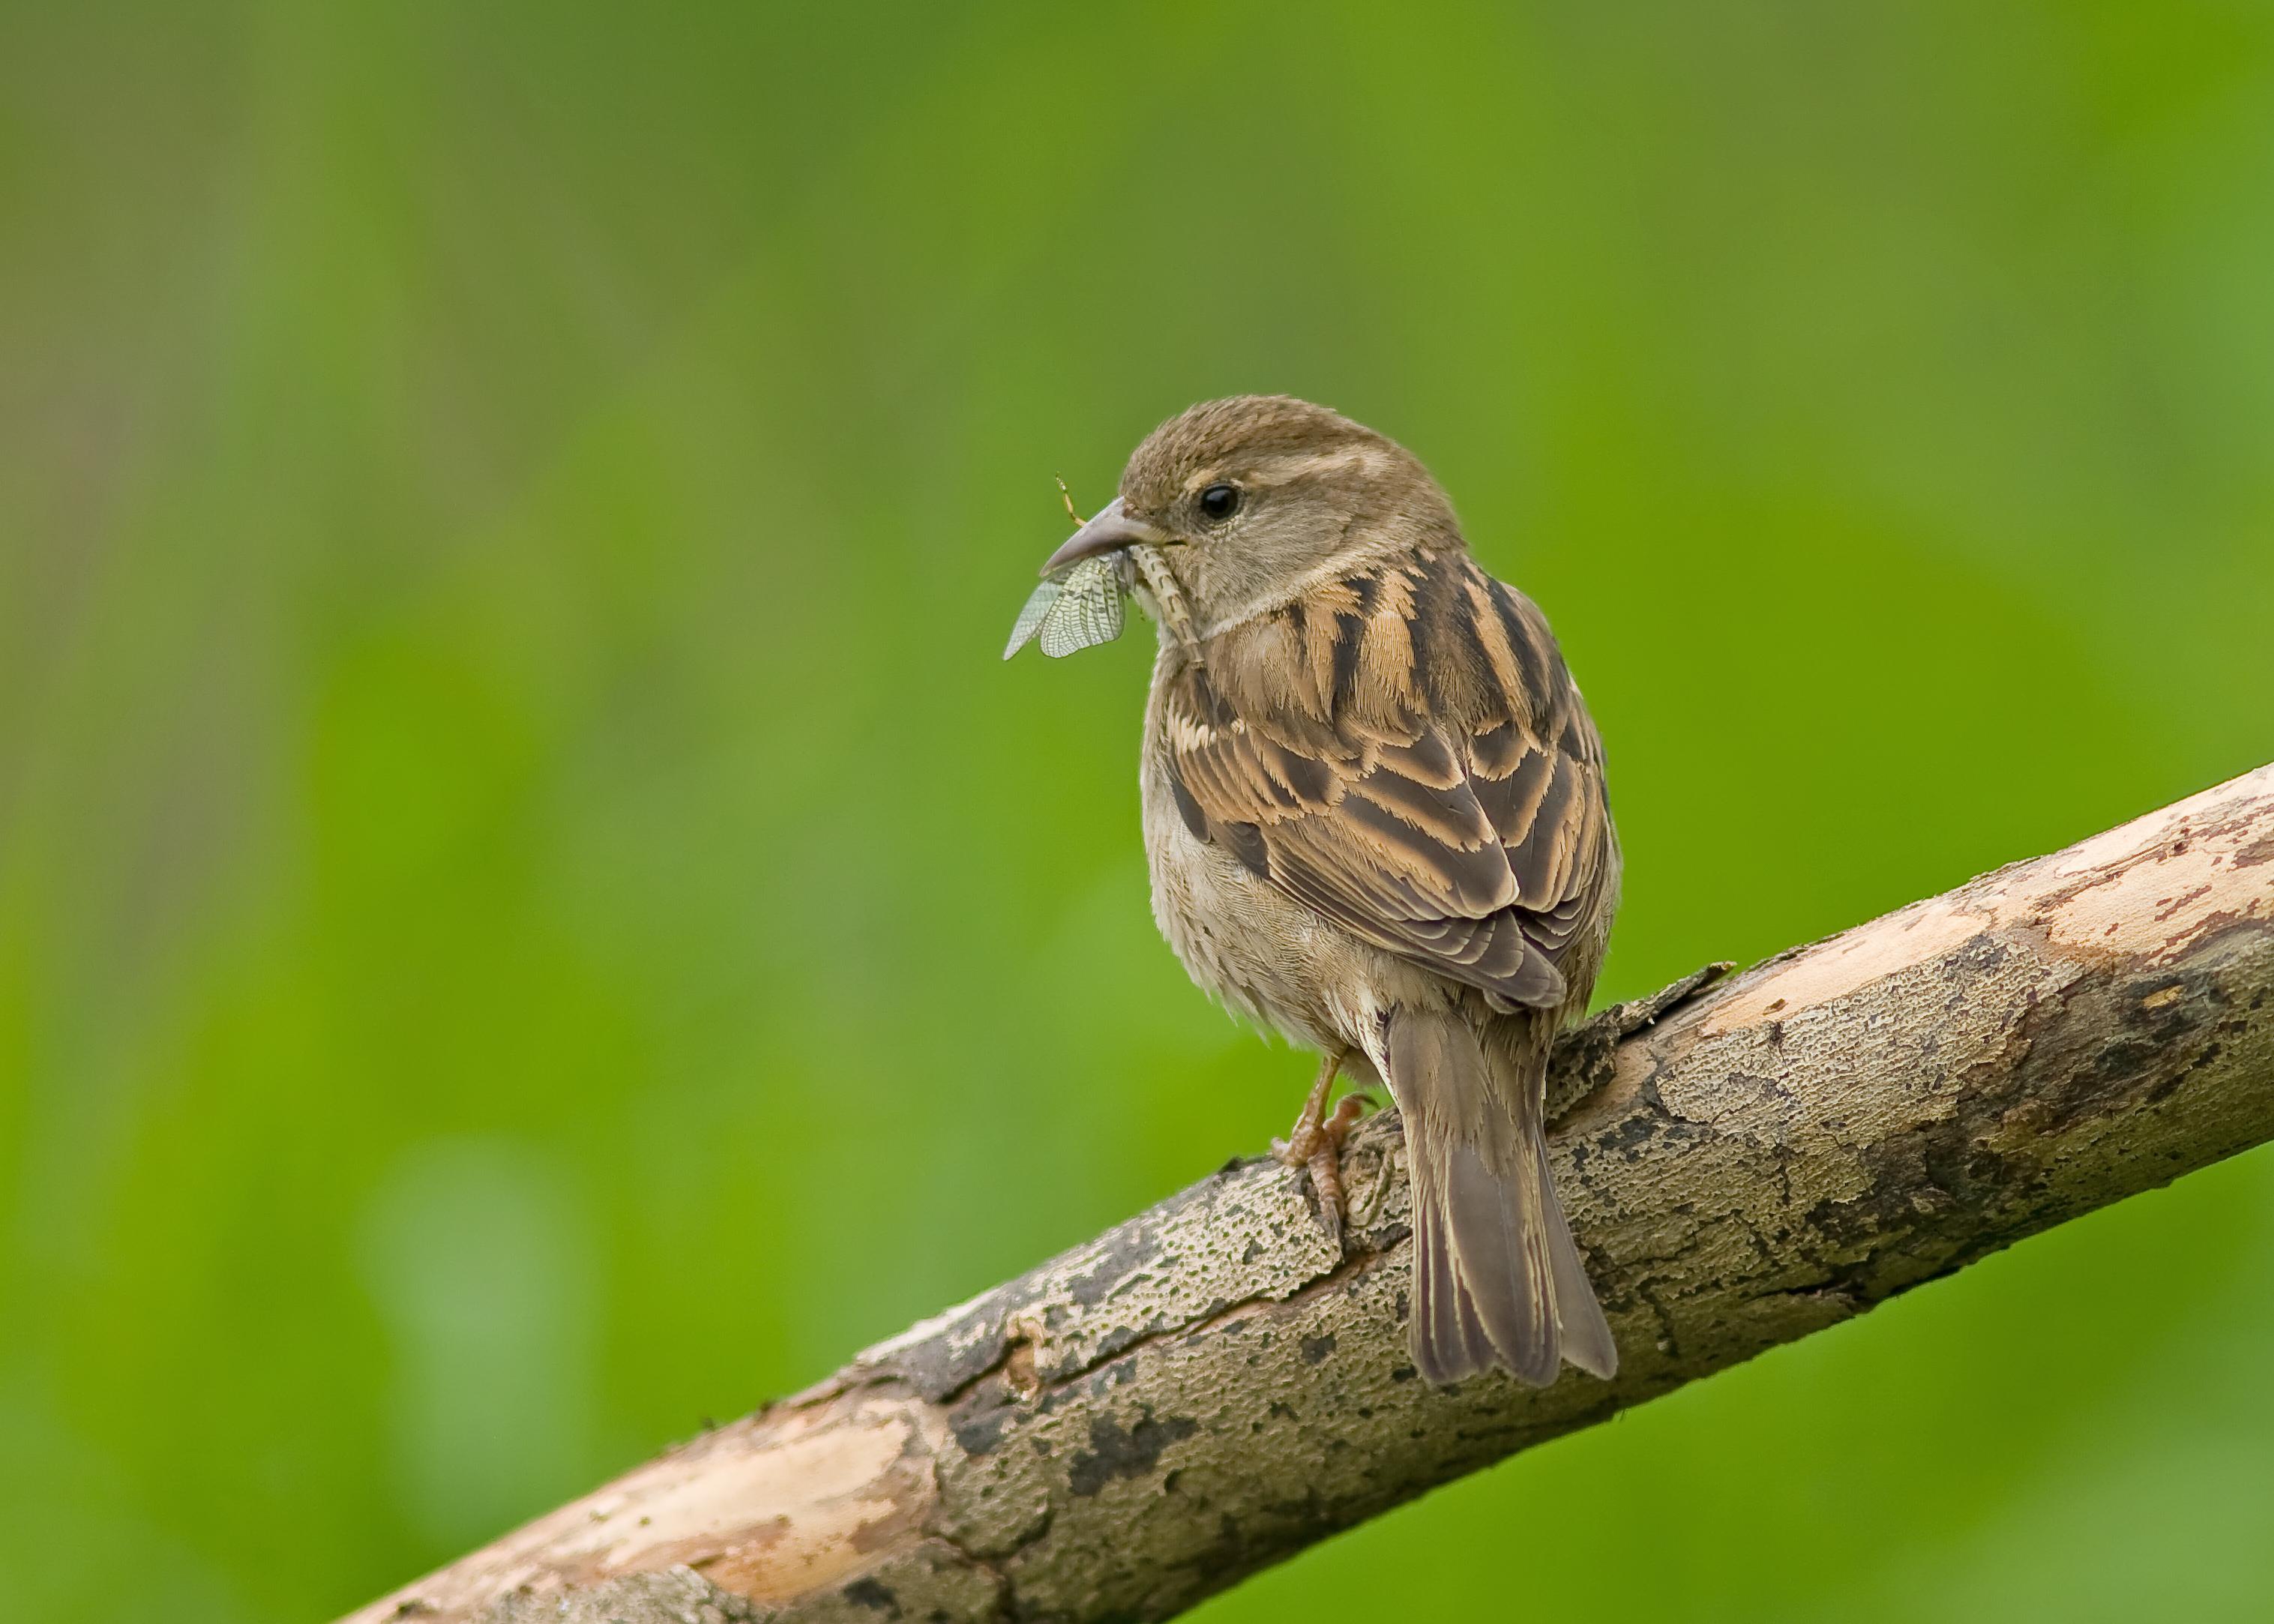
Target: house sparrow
pixel 1374 815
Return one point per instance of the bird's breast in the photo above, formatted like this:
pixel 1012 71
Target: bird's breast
pixel 1240 938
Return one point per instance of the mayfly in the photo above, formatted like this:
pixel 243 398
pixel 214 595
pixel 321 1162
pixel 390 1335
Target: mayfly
pixel 1078 608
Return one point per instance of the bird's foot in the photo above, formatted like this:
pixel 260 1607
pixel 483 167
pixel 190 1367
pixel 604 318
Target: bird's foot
pixel 1316 1147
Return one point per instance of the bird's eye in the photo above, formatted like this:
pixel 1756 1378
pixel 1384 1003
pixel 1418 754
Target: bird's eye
pixel 1219 502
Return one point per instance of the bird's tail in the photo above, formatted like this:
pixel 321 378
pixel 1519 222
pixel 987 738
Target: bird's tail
pixel 1496 1278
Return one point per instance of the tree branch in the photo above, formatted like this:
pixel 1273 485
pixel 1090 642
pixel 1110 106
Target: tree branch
pixel 1214 1386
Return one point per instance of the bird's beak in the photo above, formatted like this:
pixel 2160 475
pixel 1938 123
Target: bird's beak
pixel 1109 531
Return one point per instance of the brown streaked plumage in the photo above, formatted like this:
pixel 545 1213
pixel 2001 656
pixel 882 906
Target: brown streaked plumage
pixel 1375 818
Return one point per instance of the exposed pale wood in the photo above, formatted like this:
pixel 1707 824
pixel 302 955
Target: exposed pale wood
pixel 1213 1385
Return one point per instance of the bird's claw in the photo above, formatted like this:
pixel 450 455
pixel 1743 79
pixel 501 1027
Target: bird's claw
pixel 1316 1147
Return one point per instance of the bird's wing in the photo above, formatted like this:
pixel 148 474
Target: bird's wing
pixel 1404 752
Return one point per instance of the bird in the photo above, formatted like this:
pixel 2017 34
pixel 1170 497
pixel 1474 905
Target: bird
pixel 1377 822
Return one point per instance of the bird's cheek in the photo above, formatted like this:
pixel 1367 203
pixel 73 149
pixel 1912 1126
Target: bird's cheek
pixel 1188 566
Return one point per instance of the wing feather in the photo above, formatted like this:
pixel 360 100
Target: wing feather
pixel 1403 752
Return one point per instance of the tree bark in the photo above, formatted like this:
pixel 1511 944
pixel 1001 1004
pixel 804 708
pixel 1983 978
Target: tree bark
pixel 1215 1385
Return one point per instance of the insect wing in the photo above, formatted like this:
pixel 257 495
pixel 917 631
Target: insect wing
pixel 1030 619
pixel 1087 613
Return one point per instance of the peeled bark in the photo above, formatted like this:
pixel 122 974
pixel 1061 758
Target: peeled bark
pixel 1215 1385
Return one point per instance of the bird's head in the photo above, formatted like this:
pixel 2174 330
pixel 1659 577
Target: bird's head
pixel 1247 502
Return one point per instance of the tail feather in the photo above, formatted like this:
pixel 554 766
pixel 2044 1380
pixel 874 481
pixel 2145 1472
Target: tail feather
pixel 1497 1280
pixel 1500 1265
pixel 1587 1340
pixel 1447 1334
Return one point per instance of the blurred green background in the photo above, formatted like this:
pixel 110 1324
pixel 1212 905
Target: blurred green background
pixel 531 913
